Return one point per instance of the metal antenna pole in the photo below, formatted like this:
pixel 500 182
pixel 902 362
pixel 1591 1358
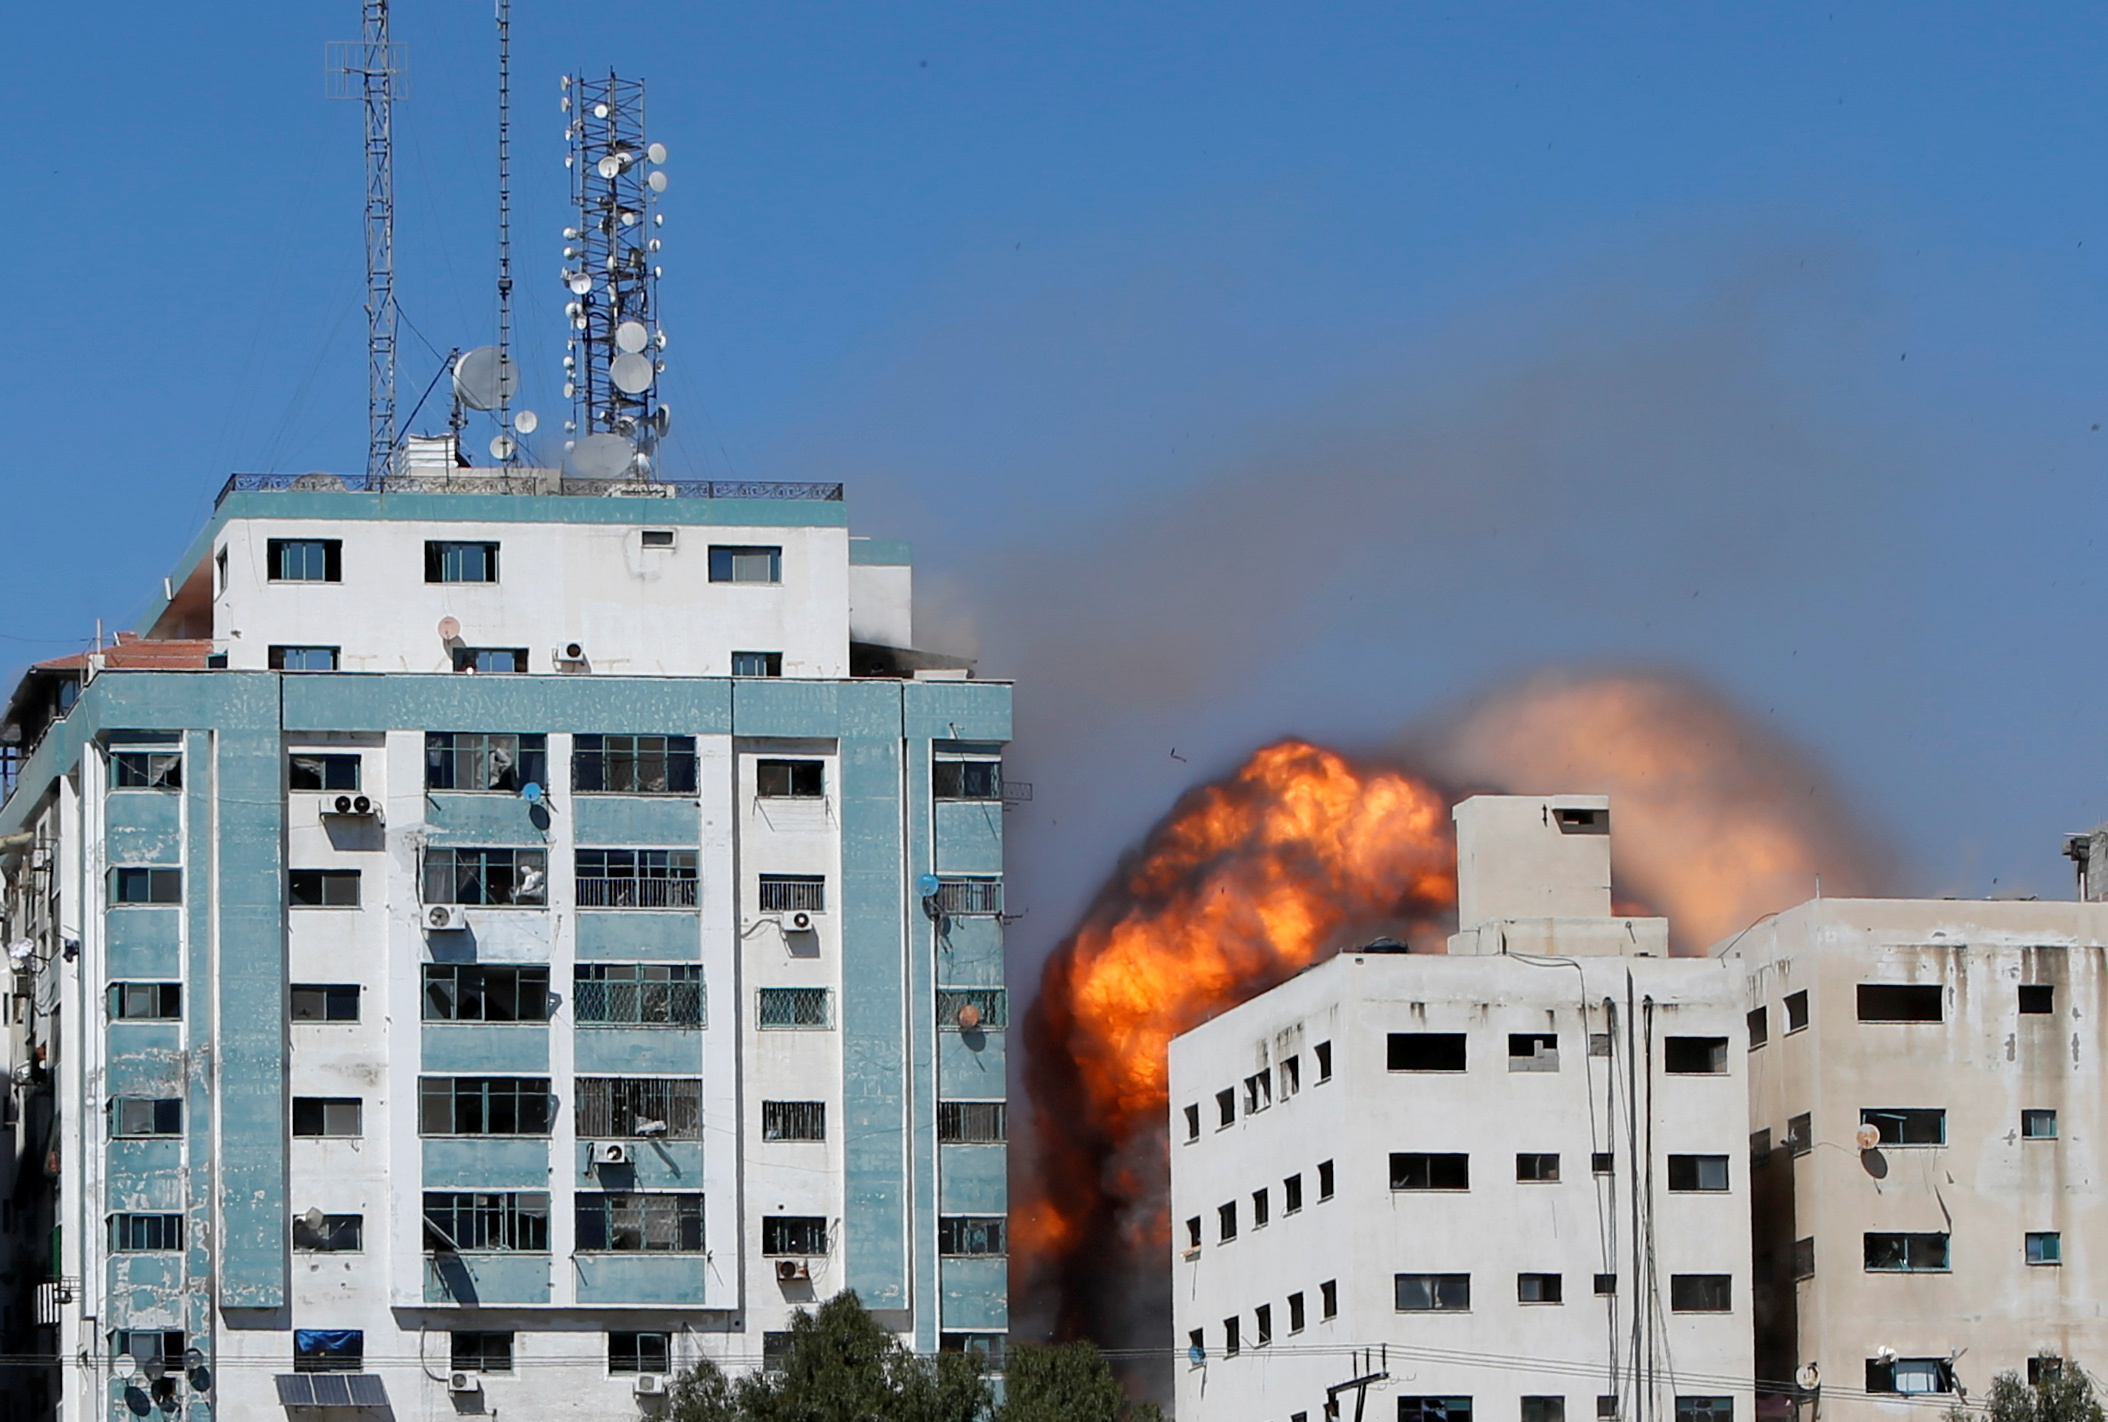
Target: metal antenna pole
pixel 375 63
pixel 512 444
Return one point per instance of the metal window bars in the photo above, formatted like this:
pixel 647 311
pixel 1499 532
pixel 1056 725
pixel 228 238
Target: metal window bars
pixel 620 1107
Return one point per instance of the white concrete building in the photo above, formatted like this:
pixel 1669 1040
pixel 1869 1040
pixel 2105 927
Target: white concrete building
pixel 1510 1183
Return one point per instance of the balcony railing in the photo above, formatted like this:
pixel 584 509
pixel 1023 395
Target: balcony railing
pixel 497 483
pixel 636 893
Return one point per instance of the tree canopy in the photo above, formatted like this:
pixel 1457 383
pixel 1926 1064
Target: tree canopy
pixel 2062 1392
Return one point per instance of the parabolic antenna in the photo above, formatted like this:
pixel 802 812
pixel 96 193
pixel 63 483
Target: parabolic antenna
pixel 482 381
pixel 526 422
pixel 657 181
pixel 631 336
pixel 579 282
pixel 632 373
pixel 501 447
pixel 314 1219
pixel 600 456
pixel 662 420
pixel 449 628
pixel 656 152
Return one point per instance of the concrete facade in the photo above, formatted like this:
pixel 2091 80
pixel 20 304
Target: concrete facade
pixel 314 1106
pixel 1509 1182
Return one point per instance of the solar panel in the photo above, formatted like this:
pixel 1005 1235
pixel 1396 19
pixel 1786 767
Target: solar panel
pixel 331 1389
pixel 367 1390
pixel 295 1390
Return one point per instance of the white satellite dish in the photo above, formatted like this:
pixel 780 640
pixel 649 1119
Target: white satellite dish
pixel 657 153
pixel 600 111
pixel 631 336
pixel 631 373
pixel 579 282
pixel 662 420
pixel 501 447
pixel 600 456
pixel 482 381
pixel 315 1220
pixel 1868 1136
pixel 526 422
pixel 657 181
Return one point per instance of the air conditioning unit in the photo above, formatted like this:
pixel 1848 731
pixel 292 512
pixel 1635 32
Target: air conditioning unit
pixel 611 1153
pixel 571 656
pixel 445 918
pixel 348 805
pixel 799 922
pixel 649 1385
pixel 791 1271
pixel 464 1382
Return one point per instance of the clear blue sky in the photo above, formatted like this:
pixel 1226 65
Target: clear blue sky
pixel 1312 366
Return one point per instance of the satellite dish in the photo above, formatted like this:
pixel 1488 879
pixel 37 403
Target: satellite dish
pixel 502 447
pixel 449 628
pixel 1809 1376
pixel 482 381
pixel 657 153
pixel 526 422
pixel 1868 1137
pixel 600 456
pixel 928 884
pixel 662 420
pixel 600 111
pixel 631 336
pixel 631 373
pixel 124 1365
pixel 657 181
pixel 969 1017
pixel 579 282
pixel 315 1220
pixel 531 792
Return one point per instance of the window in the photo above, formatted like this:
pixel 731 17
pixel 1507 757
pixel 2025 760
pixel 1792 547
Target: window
pixel 137 1233
pixel 991 1349
pixel 152 1002
pixel 1226 1222
pixel 1295 1313
pixel 1796 1011
pixel 1533 1051
pixel 1701 1293
pixel 971 1235
pixel 1193 1234
pixel 147 1115
pixel 1901 1002
pixel 1544 1409
pixel 146 770
pixel 1426 1051
pixel 2038 1125
pixel 1600 1162
pixel 982 1122
pixel 1800 1134
pixel 480 760
pixel 966 779
pixel 219 560
pixel 1694 1056
pixel 146 886
pixel 991 1008
pixel 1606 1286
pixel 1328 1297
pixel 1196 1348
pixel 1291 1076
pixel 477 992
pixel 1292 1194
pixel 1419 1171
pixel 2041 1370
pixel 306 560
pixel 1258 1092
pixel 157 1349
pixel 1538 1168
pixel 655 1107
pixel 1225 1108
pixel 1599 1044
pixel 322 888
pixel 1759 1028
pixel 1261 1207
pixel 493 878
pixel 1705 1409
pixel 1323 1052
pixel 1540 1288
pixel 1324 1180
pixel 639 1352
pixel 340 1234
pixel 794 1234
pixel 633 765
pixel 636 878
pixel 325 1002
pixel 757 664
pixel 481 1352
pixel 2045 1247
pixel 461 562
pixel 306 770
pixel 328 1350
pixel 638 994
pixel 302 659
pixel 1230 1341
pixel 2037 998
pixel 496 661
pixel 793 893
pixel 1804 1258
pixel 1606 1406
pixel 639 1222
pixel 793 1008
pixel 1433 1293
pixel 1759 1148
pixel 1262 1326
pixel 1910 1375
pixel 477 1222
pixel 1906 1126
pixel 1434 1409
pixel 327 1116
pixel 1706 1174
pixel 798 1120
pixel 1193 1123
pixel 1906 1253
pixel 775 1348
pixel 790 779
pixel 977 897
pixel 735 564
pixel 483 1106
pixel 656 538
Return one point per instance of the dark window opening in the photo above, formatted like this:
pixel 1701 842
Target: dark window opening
pixel 306 560
pixel 152 1002
pixel 1432 1293
pixel 306 771
pixel 335 1116
pixel 469 1222
pixel 2038 1125
pixel 139 1233
pixel 1323 1052
pixel 1800 1134
pixel 1324 1180
pixel 481 1352
pixel 1909 1375
pixel 484 1105
pixel 1540 1288
pixel 302 659
pixel 972 1236
pixel 803 1121
pixel 1193 1123
pixel 480 760
pixel 322 888
pixel 461 562
pixel 1292 1194
pixel 491 661
pixel 1701 1293
pixel 1434 1409
pixel 146 886
pixel 1533 1051
pixel 1426 1051
pixel 1796 1010
pixel 1804 1258
pixel 1906 1253
pixel 339 1234
pixel 477 992
pixel 2036 998
pixel 1606 1285
pixel 1901 1002
pixel 1907 1125
pixel 1537 1167
pixel 1759 1028
pixel 146 770
pixel 633 765
pixel 1600 1162
pixel 328 1350
pixel 967 780
pixel 639 1222
pixel 639 1352
pixel 1694 1056
pixel 1697 1173
pixel 1421 1171
pixel 790 779
pixel 794 1234
pixel 757 664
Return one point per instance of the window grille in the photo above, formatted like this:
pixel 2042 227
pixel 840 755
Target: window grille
pixel 146 770
pixel 516 878
pixel 757 664
pixel 633 765
pixel 973 1122
pixel 797 1120
pixel 483 1105
pixel 972 1235
pixel 962 898
pixel 476 992
pixel 637 994
pixel 475 1222
pixel 798 1007
pixel 793 893
pixel 794 1234
pixel 135 1233
pixel 328 1350
pixel 632 1222
pixel 636 878
pixel 663 1108
pixel 993 1005
pixel 481 760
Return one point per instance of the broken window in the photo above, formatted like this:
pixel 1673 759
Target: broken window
pixel 485 992
pixel 639 1222
pixel 1193 1234
pixel 1759 1029
pixel 482 760
pixel 1421 1171
pixel 307 770
pixel 1906 1253
pixel 633 765
pixel 1800 1134
pixel 645 1107
pixel 794 1234
pixel 1537 1167
pixel 322 888
pixel 1796 1010
pixel 338 1116
pixel 988 1122
pixel 1694 1056
pixel 1907 1126
pixel 1258 1092
pixel 1697 1173
pixel 1433 1293
pixel 147 1115
pixel 1426 1051
pixel 1701 1293
pixel 484 1106
pixel 1540 1288
pixel 1909 1375
pixel 492 878
pixel 146 770
pixel 477 1222
pixel 1901 1002
pixel 2038 998
pixel 1291 1076
pixel 1532 1051
pixel 339 1234
pixel 972 1236
pixel 807 1121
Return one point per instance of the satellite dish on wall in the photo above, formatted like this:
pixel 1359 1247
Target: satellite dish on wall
pixel 482 381
pixel 1868 1137
pixel 600 456
pixel 632 373
pixel 449 628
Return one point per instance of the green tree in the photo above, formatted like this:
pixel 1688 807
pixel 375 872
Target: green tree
pixel 2064 1393
pixel 1066 1382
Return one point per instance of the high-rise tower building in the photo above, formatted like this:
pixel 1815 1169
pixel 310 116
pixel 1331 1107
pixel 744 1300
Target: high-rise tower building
pixel 503 945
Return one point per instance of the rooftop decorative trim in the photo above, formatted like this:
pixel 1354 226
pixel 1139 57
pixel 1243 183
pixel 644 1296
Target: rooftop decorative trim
pixel 524 484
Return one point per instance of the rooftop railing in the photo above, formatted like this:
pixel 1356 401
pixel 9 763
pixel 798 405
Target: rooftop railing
pixel 495 483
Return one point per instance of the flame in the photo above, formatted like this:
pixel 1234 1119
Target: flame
pixel 1247 881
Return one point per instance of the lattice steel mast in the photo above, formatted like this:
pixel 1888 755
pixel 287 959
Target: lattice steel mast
pixel 375 63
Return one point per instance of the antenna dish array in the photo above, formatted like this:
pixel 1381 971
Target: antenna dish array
pixel 615 355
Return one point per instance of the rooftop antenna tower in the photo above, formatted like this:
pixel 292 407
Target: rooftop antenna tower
pixel 615 353
pixel 372 69
pixel 506 446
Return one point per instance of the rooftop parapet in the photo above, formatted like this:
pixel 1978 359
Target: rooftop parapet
pixel 524 481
